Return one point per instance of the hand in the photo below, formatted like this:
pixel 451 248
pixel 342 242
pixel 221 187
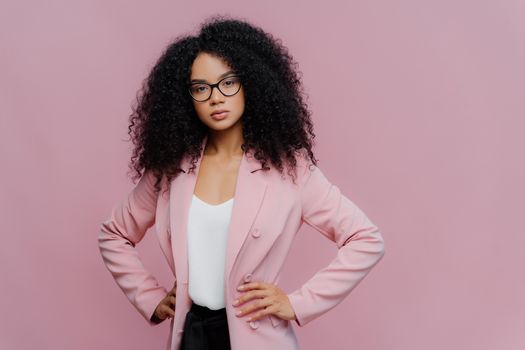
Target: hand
pixel 270 299
pixel 164 309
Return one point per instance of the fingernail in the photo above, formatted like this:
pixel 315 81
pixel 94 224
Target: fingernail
pixel 236 302
pixel 240 287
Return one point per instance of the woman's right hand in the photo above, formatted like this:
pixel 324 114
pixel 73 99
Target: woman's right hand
pixel 166 307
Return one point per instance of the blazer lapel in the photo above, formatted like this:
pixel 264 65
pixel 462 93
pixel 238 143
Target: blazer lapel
pixel 249 193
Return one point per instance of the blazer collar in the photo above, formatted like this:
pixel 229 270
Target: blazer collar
pixel 248 161
pixel 250 189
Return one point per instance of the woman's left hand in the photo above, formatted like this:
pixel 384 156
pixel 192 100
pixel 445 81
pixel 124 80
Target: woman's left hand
pixel 270 300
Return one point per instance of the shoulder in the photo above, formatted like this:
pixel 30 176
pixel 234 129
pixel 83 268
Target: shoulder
pixel 305 167
pixel 153 182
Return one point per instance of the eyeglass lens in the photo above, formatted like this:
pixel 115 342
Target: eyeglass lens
pixel 228 86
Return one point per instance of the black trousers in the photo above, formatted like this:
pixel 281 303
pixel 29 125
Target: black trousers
pixel 205 329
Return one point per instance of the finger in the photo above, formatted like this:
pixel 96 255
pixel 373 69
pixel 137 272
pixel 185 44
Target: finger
pixel 169 302
pixel 271 309
pixel 167 311
pixel 252 285
pixel 253 306
pixel 250 295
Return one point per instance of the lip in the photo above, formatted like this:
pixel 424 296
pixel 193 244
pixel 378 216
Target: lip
pixel 219 114
pixel 219 111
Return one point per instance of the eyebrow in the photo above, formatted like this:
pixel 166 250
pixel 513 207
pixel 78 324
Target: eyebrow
pixel 220 77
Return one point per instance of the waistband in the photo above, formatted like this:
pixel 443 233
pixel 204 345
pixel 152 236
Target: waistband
pixel 204 312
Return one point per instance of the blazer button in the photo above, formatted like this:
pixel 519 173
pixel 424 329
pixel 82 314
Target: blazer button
pixel 254 324
pixel 248 277
pixel 256 233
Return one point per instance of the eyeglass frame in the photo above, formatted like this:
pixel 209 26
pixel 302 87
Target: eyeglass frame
pixel 216 85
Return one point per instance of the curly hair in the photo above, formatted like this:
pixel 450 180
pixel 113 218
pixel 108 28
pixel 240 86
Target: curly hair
pixel 276 123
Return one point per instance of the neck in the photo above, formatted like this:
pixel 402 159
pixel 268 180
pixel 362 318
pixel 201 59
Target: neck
pixel 225 143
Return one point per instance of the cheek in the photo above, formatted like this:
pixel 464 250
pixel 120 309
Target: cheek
pixel 200 110
pixel 240 103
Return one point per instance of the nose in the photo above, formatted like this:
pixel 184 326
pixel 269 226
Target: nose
pixel 216 95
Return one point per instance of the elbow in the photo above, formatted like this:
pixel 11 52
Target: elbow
pixel 104 238
pixel 381 246
pixel 376 242
pixel 105 233
pixel 110 234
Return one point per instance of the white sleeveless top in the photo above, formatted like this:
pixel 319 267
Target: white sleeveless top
pixel 207 238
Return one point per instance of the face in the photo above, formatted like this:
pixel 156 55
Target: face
pixel 210 69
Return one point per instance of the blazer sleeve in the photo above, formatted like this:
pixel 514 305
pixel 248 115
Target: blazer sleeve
pixel 359 242
pixel 126 226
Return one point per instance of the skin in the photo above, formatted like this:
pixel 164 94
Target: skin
pixel 222 155
pixel 216 181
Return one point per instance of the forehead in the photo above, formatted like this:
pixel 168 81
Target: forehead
pixel 208 67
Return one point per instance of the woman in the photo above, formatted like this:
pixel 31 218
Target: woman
pixel 220 117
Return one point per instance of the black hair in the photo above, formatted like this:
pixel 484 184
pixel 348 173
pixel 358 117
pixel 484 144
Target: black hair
pixel 276 123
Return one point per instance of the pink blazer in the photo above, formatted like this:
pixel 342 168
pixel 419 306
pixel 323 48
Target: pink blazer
pixel 267 213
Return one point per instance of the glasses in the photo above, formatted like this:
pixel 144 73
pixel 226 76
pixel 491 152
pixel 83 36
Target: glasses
pixel 228 86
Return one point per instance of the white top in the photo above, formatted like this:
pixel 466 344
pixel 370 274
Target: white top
pixel 207 238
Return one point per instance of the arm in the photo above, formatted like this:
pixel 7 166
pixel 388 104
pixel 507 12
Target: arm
pixel 359 242
pixel 118 236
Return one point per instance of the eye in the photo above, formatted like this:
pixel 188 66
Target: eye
pixel 199 88
pixel 230 81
